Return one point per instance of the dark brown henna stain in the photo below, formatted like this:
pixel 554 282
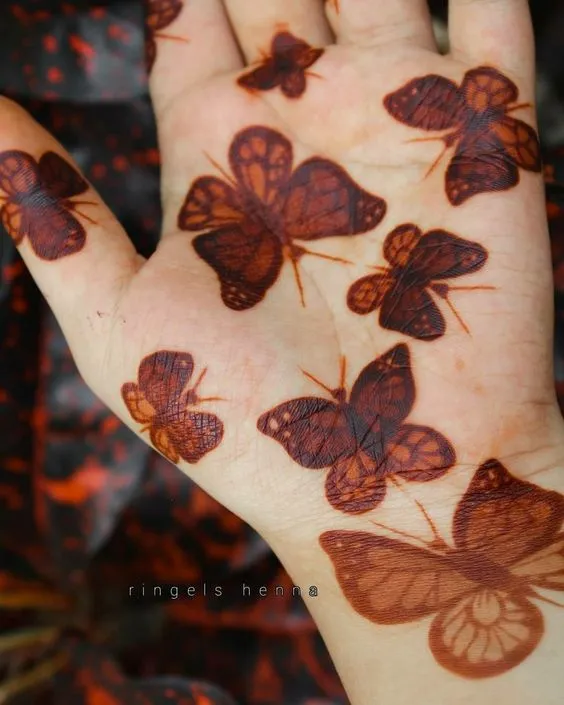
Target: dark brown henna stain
pixel 37 203
pixel 507 541
pixel 162 401
pixel 490 145
pixel 255 217
pixel 286 67
pixel 419 264
pixel 159 14
pixel 362 438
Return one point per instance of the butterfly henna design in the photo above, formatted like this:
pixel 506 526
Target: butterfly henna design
pixel 419 264
pixel 287 67
pixel 257 219
pixel 362 438
pixel 163 402
pixel 507 545
pixel 159 14
pixel 490 145
pixel 37 203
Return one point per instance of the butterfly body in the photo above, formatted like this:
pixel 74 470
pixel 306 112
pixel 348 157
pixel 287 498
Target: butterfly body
pixel 259 219
pixel 475 118
pixel 419 263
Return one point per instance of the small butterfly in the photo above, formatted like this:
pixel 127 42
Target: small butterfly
pixel 363 439
pixel 490 145
pixel 508 543
pixel 37 203
pixel 163 402
pixel 159 14
pixel 256 217
pixel 419 264
pixel 285 67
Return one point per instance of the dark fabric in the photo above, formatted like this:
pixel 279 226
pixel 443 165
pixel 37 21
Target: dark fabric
pixel 86 509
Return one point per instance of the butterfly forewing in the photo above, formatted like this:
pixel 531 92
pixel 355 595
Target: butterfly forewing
pixel 163 376
pixel 400 243
pixel 418 454
pixel 19 173
pixel 486 633
pixel 313 431
pixel 441 255
pixel 263 78
pixel 389 581
pixel 58 178
pixel 485 88
pixel 161 13
pixel 137 404
pixel 520 142
pixel 210 203
pixel 246 259
pixel 323 201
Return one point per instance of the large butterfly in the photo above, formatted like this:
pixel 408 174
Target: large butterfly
pixel 490 145
pixel 508 542
pixel 158 15
pixel 363 440
pixel 162 401
pixel 37 203
pixel 419 264
pixel 286 67
pixel 256 218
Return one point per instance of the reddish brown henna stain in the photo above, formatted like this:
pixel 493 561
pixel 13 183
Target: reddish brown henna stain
pixel 363 440
pixel 159 14
pixel 256 219
pixel 490 145
pixel 508 541
pixel 286 67
pixel 162 401
pixel 419 264
pixel 37 203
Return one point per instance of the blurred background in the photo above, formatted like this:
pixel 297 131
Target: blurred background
pixel 86 509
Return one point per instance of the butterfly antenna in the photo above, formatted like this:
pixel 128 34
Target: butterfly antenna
pixel 172 37
pixel 312 74
pixel 403 534
pixel 221 170
pixel 519 106
pixel 298 278
pixel 378 267
pixel 86 217
pixel 316 381
pixel 457 316
pixel 547 600
pixel 343 372
pixel 329 258
pixel 424 512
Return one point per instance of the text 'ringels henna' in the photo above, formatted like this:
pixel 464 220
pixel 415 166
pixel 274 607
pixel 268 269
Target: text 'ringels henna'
pixel 37 203
pixel 419 264
pixel 258 218
pixel 490 145
pixel 362 438
pixel 165 404
pixel 507 544
pixel 286 67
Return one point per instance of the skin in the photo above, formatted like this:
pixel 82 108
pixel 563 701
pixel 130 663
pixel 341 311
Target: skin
pixel 491 393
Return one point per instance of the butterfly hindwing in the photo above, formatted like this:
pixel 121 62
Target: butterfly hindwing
pixel 354 485
pixel 520 141
pixel 366 294
pixel 418 454
pixel 53 232
pixel 19 173
pixel 210 203
pixel 137 405
pixel 163 376
pixel 485 88
pixel 400 243
pixel 161 13
pixel 409 309
pixel 313 431
pixel 246 262
pixel 194 434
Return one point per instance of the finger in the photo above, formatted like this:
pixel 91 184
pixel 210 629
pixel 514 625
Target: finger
pixel 368 23
pixel 75 249
pixel 256 23
pixel 496 32
pixel 196 45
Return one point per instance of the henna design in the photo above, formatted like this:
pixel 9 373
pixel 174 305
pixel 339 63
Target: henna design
pixel 418 265
pixel 363 440
pixel 37 203
pixel 286 67
pixel 490 145
pixel 508 541
pixel 159 15
pixel 255 218
pixel 162 401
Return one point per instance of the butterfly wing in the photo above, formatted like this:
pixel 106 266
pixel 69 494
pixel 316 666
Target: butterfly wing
pixel 194 434
pixel 505 518
pixel 545 568
pixel 161 13
pixel 293 84
pixel 262 78
pixel 261 160
pixel 163 376
pixel 52 231
pixel 366 294
pixel 247 262
pixel 384 392
pixel 485 633
pixel 58 178
pixel 323 201
pixel 432 103
pixel 161 440
pixel 441 255
pixel 486 89
pixel 400 243
pixel 19 173
pixel 136 403
pixel 520 141
pixel 294 52
pixel 313 431
pixel 389 581
pixel 418 454
pixel 354 484
pixel 409 309
pixel 210 203
pixel 481 164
